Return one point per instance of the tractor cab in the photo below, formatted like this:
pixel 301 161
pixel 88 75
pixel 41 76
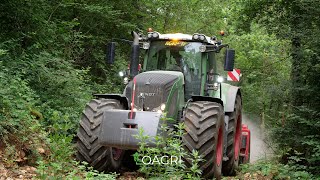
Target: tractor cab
pixel 180 56
pixel 192 55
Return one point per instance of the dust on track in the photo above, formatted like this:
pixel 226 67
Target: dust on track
pixel 259 147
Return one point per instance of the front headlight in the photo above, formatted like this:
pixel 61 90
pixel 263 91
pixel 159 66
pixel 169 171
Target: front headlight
pixel 146 45
pixel 215 86
pixel 220 79
pixel 125 80
pixel 121 73
pixel 163 107
pixel 160 108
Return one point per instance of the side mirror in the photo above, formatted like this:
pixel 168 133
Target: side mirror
pixel 111 51
pixel 229 60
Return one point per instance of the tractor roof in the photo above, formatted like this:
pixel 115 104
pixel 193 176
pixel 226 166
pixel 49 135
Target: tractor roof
pixel 182 37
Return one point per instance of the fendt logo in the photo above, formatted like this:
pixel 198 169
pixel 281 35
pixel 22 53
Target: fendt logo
pixel 144 94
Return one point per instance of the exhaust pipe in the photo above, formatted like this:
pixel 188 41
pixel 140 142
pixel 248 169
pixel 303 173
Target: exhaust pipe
pixel 135 55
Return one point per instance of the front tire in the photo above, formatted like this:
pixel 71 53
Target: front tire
pixel 233 139
pixel 204 126
pixel 99 157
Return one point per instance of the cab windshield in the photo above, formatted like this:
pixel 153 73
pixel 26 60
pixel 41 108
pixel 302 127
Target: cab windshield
pixel 180 56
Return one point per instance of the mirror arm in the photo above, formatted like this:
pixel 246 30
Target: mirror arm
pixel 122 40
pixel 217 48
pixel 222 46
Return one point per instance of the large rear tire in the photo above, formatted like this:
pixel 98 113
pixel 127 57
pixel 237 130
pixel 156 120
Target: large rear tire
pixel 99 157
pixel 233 139
pixel 204 125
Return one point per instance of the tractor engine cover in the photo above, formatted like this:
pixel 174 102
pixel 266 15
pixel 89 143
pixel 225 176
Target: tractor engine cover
pixel 152 89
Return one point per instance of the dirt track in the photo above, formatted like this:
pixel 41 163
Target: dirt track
pixel 259 147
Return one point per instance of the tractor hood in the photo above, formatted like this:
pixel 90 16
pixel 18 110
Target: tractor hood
pixel 153 89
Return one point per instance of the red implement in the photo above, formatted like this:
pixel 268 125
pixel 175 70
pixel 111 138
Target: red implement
pixel 245 145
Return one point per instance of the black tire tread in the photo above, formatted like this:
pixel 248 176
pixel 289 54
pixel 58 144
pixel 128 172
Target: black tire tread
pixel 201 120
pixel 88 148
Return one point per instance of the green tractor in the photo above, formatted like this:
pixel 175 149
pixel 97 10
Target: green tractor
pixel 179 77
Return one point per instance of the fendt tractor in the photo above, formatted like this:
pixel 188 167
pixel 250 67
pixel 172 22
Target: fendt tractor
pixel 181 78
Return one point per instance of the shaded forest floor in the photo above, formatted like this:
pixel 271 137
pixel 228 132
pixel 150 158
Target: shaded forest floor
pixel 15 172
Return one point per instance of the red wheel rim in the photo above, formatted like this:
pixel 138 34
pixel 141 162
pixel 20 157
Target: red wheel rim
pixel 116 153
pixel 219 148
pixel 237 139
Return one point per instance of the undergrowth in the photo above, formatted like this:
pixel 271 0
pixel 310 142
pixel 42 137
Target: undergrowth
pixel 36 135
pixel 165 158
pixel 268 169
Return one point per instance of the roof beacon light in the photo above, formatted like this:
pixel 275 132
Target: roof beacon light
pixel 150 29
pixel 222 33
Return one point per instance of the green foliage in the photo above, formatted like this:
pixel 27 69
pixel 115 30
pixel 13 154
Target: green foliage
pixel 187 16
pixel 60 164
pixel 165 159
pixel 19 128
pixel 273 170
pixel 303 148
pixel 265 66
pixel 52 59
pixel 15 98
pixel 75 171
pixel 297 129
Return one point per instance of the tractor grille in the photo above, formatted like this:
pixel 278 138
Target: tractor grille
pixel 152 89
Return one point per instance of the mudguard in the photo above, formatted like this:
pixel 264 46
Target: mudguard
pixel 229 95
pixel 206 98
pixel 123 99
pixel 119 130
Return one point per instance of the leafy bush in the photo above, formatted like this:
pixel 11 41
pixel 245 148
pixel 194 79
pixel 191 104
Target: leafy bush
pixel 165 160
pixel 60 163
pixel 303 145
pixel 74 171
pixel 264 61
pixel 20 129
pixel 273 170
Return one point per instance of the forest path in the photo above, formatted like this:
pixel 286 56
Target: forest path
pixel 259 146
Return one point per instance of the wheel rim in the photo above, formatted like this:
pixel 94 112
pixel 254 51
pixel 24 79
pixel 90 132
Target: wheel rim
pixel 219 148
pixel 237 139
pixel 116 153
